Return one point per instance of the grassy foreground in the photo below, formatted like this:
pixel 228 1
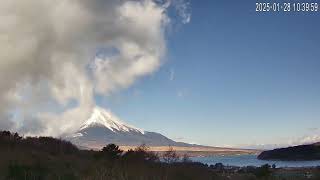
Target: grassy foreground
pixel 37 158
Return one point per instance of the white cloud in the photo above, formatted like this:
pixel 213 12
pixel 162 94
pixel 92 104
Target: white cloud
pixel 182 93
pixel 172 74
pixel 310 138
pixel 183 9
pixel 314 129
pixel 307 139
pixel 46 48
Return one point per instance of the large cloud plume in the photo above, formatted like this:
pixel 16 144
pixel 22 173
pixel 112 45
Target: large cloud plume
pixel 56 55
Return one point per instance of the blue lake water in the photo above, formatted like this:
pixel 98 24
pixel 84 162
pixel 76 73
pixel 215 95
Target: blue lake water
pixel 251 160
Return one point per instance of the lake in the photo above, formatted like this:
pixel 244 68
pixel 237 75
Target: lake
pixel 251 160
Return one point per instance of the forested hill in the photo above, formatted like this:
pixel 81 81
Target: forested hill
pixel 295 153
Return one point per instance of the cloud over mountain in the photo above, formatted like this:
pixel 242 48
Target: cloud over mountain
pixel 56 55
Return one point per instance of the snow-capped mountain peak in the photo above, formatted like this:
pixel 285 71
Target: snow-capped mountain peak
pixel 104 118
pixel 103 128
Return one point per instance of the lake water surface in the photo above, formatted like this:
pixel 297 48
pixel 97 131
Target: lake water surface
pixel 251 160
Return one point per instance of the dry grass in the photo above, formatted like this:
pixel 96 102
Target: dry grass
pixel 191 151
pixel 198 151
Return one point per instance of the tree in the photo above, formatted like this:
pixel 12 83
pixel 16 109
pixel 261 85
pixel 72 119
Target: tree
pixel 263 171
pixel 17 137
pixel 112 151
pixel 170 156
pixel 186 158
pixel 140 154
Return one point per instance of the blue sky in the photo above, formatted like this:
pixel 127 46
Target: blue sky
pixel 231 76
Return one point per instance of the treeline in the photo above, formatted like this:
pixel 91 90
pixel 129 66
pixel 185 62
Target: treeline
pixel 42 158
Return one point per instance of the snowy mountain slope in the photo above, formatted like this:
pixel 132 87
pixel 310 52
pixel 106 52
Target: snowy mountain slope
pixel 103 118
pixel 104 128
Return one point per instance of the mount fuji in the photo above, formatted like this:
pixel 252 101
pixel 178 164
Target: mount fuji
pixel 104 128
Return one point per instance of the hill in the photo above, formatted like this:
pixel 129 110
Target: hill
pixel 295 153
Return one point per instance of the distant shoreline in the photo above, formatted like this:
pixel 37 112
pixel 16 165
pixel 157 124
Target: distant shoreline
pixel 198 150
